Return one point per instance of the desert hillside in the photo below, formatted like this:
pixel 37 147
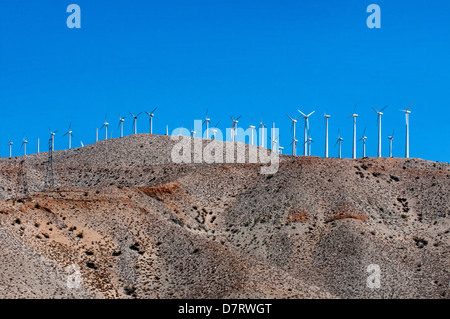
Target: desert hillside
pixel 139 226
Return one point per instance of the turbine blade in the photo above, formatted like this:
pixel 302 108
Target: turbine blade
pixel 383 108
pixel 154 110
pixel 301 112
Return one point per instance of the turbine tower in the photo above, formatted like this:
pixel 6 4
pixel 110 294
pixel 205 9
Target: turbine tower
pixel 151 114
pixel 407 112
pixel 310 141
pixel 306 117
pixel 339 140
pixel 206 121
pixel 379 113
pixel 326 116
pixel 135 117
pixel 214 130
pixel 354 115
pixel 262 126
pixel 234 128
pixel 294 149
pixel 121 120
pixel 10 145
pixel 105 125
pixel 192 131
pixel 252 128
pixel 363 138
pixel 52 138
pixel 391 141
pixel 70 133
pixel 24 145
pixel 280 150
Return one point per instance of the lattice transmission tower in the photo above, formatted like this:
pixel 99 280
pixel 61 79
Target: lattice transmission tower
pixel 50 181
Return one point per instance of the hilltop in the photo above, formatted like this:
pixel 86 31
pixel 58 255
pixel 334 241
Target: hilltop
pixel 139 226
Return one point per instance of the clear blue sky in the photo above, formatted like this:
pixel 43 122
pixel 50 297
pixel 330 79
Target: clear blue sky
pixel 232 57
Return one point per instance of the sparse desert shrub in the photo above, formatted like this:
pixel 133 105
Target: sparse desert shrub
pixel 297 216
pixel 346 216
pixel 158 191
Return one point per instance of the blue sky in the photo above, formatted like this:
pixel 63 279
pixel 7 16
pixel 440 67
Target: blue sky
pixel 232 57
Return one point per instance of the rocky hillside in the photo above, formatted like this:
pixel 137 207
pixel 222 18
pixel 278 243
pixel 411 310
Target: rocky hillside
pixel 136 225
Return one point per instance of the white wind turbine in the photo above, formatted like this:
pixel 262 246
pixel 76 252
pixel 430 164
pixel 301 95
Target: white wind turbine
pixel 214 130
pixel 252 129
pixel 306 117
pixel 192 131
pixel 294 145
pixel 24 145
pixel 121 120
pixel 407 112
pixel 70 133
pixel 274 143
pixel 151 114
pixel 105 125
pixel 326 116
pixel 379 113
pixel 135 117
pixel 273 140
pixel 391 141
pixel 52 137
pixel 262 126
pixel 206 121
pixel 310 141
pixel 10 145
pixel 339 140
pixel 234 128
pixel 354 115
pixel 363 138
pixel 280 150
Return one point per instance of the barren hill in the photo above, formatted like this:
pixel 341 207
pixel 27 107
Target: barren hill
pixel 139 226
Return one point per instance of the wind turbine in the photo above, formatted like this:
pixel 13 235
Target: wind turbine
pixel 407 112
pixel 391 141
pixel 294 146
pixel 214 130
pixel 280 150
pixel 10 145
pixel 339 140
pixel 82 145
pixel 192 131
pixel 310 141
pixel 151 119
pixel 135 121
pixel 326 116
pixel 105 125
pixel 294 149
pixel 380 112
pixel 121 120
pixel 363 138
pixel 262 126
pixel 24 145
pixel 234 128
pixel 52 137
pixel 206 121
pixel 252 128
pixel 274 143
pixel 306 117
pixel 70 133
pixel 354 115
